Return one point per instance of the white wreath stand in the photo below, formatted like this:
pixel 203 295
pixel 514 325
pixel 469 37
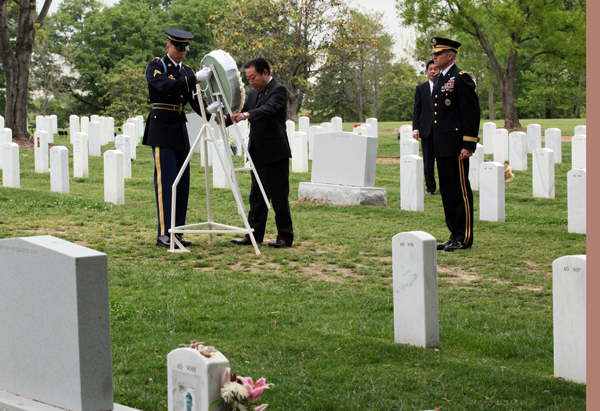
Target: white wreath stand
pixel 206 136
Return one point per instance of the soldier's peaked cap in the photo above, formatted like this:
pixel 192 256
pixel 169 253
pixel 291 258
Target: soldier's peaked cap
pixel 442 44
pixel 179 38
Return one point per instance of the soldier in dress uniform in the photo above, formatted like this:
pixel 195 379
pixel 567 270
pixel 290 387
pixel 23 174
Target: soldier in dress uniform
pixel 455 135
pixel 170 86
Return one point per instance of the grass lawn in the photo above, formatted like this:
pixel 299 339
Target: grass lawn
pixel 317 319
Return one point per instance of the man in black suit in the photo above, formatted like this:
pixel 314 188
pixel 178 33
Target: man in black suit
pixel 455 135
pixel 170 87
pixel 423 124
pixel 266 109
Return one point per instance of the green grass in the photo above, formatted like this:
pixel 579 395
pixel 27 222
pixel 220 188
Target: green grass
pixel 317 319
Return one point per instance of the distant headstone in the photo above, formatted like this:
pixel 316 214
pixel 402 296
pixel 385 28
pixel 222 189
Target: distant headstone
pixel 491 191
pixel 11 174
pixel 59 170
pixel 474 161
pixel 534 137
pixel 54 122
pixel 518 151
pixel 580 130
pixel 94 139
pixel 114 183
pixel 220 179
pixel 299 152
pixel 543 173
pixel 415 289
pixel 369 129
pixel 41 151
pixel 361 130
pixel 123 144
pixel 45 123
pixel 111 129
pixel 303 124
pixel 489 130
pixel 74 126
pixel 312 132
pixel 374 126
pixel 85 121
pixel 5 137
pixel 411 183
pixel 337 125
pixel 140 119
pixel 130 130
pixel 576 200
pixel 554 143
pixel 1 122
pixel 193 380
pixel 94 117
pixel 103 130
pixel 290 128
pixel 569 322
pixel 409 148
pixel 327 127
pixel 80 155
pixel 54 293
pixel 578 152
pixel 406 132
pixel 500 145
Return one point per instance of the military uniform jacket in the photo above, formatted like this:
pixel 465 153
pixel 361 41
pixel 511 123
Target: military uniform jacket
pixel 268 137
pixel 455 112
pixel 165 127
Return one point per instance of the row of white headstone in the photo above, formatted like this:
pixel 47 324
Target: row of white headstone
pixel 416 320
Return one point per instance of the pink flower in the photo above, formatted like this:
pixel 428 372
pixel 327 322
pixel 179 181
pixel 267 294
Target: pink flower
pixel 254 388
pixel 261 407
pixel 226 377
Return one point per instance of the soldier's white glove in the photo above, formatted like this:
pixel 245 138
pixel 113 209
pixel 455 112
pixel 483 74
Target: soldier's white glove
pixel 214 107
pixel 204 74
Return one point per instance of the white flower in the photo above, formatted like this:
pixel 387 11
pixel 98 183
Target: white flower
pixel 232 391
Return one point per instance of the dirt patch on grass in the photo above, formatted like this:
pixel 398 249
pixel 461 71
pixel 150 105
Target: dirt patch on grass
pixel 462 277
pixel 388 160
pixel 28 144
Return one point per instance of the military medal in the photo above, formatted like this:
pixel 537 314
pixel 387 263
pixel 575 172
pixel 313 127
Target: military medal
pixel 448 102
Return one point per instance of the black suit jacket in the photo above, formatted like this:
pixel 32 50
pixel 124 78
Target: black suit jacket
pixel 456 113
pixel 422 119
pixel 268 138
pixel 166 127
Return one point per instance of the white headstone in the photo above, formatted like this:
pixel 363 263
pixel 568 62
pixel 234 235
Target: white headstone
pixel 500 145
pixel 576 200
pixel 569 322
pixel 85 121
pixel 111 129
pixel 303 124
pixel 59 169
pixel 534 137
pixel 94 117
pixel 80 155
pixel 123 144
pixel 578 152
pixel 489 130
pixel 474 162
pixel 415 289
pixel 337 125
pixel 45 123
pixel 193 380
pixel 406 132
pixel 41 151
pixel 543 172
pixel 54 121
pixel 580 130
pixel 518 151
pixel 369 129
pixel 40 123
pixel 554 143
pixel 11 174
pixel 94 139
pixel 312 132
pixel 345 159
pixel 374 126
pixel 129 129
pixel 491 191
pixel 409 148
pixel 5 137
pixel 290 128
pixel 73 126
pixel 114 183
pixel 1 122
pixel 140 120
pixel 103 130
pixel 411 183
pixel 220 179
pixel 327 127
pixel 299 152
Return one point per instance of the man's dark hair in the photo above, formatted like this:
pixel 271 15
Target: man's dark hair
pixel 429 63
pixel 259 64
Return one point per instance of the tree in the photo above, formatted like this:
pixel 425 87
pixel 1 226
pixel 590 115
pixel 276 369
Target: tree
pixel 15 52
pixel 511 33
pixel 399 93
pixel 293 35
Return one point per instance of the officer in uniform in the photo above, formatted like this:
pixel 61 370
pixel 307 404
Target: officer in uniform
pixel 455 135
pixel 170 86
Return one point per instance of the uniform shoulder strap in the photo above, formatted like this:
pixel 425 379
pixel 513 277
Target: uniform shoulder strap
pixel 155 59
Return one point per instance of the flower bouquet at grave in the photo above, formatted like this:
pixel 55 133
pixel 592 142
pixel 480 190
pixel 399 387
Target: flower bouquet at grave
pixel 240 393
pixel 398 133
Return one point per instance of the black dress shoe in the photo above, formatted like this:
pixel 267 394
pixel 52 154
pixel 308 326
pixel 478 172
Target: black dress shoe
pixel 242 241
pixel 185 243
pixel 429 193
pixel 164 241
pixel 279 244
pixel 455 245
pixel 441 246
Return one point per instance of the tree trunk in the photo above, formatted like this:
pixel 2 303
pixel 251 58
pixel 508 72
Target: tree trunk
pixel 492 114
pixel 16 64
